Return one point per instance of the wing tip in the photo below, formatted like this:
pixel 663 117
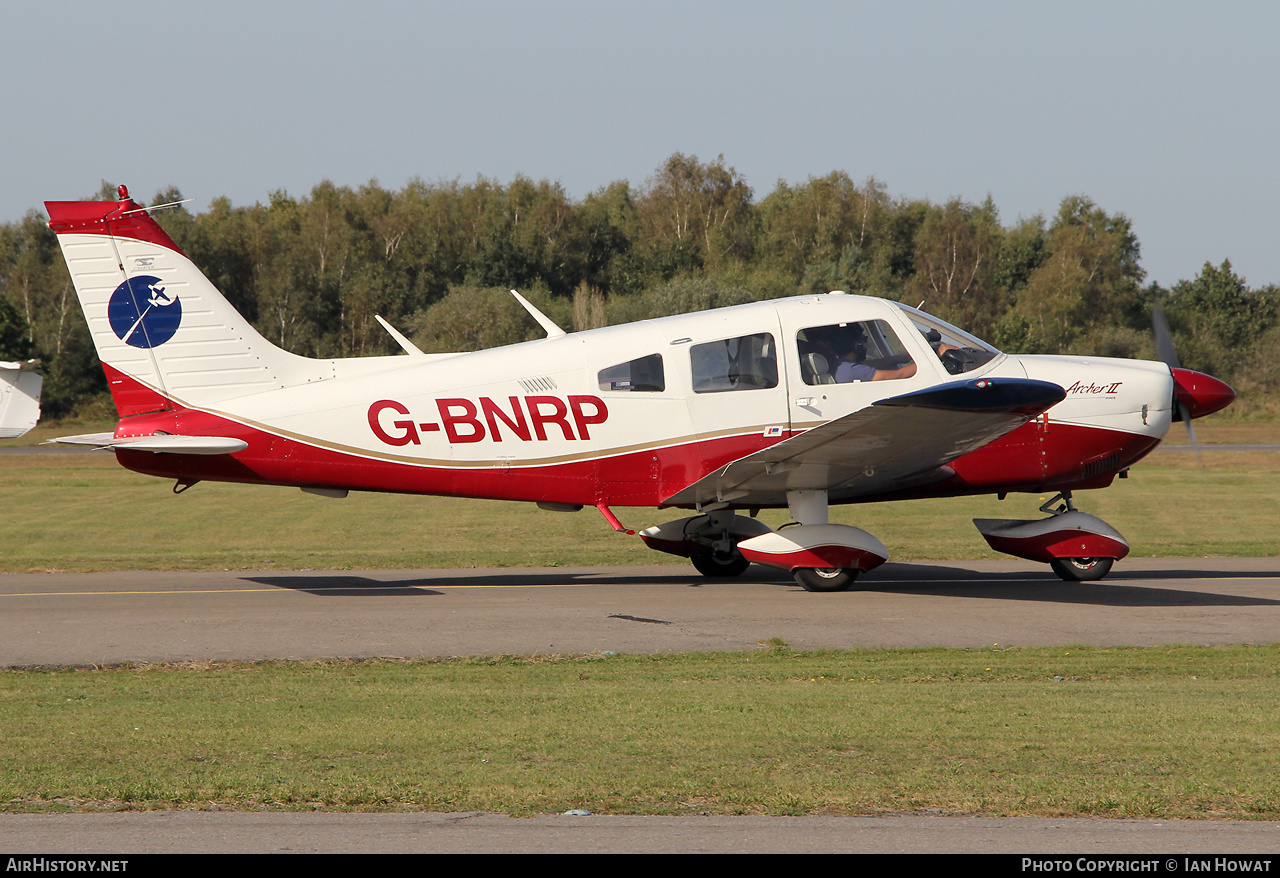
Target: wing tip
pixel 1028 396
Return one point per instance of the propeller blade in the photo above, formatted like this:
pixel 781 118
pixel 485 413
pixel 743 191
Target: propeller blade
pixel 1169 356
pixel 1164 340
pixel 1195 447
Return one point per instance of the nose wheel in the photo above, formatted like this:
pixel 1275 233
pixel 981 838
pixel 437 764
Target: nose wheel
pixel 1077 546
pixel 826 578
pixel 1081 569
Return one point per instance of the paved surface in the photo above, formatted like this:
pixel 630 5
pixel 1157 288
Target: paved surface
pixel 53 619
pixel 208 832
pixel 87 619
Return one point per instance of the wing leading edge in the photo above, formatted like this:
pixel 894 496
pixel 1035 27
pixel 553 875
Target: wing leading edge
pixel 897 443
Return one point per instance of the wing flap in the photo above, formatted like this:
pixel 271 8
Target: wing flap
pixel 897 443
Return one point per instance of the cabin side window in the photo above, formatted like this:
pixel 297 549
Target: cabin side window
pixel 643 374
pixel 842 353
pixel 748 362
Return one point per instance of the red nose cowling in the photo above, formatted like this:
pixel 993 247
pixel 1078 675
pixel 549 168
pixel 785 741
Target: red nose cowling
pixel 1201 394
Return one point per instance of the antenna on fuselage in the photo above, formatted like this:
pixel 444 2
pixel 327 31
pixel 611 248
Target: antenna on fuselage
pixel 152 207
pixel 409 347
pixel 544 321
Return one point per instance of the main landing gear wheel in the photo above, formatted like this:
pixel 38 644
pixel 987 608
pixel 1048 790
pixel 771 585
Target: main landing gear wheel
pixel 1081 569
pixel 826 578
pixel 718 565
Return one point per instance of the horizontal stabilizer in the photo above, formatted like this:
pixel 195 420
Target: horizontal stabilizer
pixel 160 443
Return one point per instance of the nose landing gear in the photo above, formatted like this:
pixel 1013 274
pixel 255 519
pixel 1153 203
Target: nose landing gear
pixel 1078 547
pixel 826 578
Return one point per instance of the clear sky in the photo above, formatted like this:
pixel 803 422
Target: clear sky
pixel 1165 111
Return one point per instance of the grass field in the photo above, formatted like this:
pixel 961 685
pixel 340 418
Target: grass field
pixel 1173 732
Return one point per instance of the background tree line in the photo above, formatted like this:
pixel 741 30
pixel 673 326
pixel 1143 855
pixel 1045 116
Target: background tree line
pixel 436 260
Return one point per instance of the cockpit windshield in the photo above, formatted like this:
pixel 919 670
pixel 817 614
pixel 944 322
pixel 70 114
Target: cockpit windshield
pixel 959 351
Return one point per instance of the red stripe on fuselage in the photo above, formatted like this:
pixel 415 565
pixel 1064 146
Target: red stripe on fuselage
pixel 1030 459
pixel 635 478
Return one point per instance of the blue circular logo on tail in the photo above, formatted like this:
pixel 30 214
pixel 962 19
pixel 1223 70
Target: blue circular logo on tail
pixel 142 314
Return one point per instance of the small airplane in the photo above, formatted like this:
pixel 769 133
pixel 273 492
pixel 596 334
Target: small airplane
pixel 795 403
pixel 19 399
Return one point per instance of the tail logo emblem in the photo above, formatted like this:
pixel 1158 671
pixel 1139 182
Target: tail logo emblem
pixel 142 314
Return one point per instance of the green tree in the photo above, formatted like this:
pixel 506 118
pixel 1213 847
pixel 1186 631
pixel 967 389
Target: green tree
pixel 956 246
pixel 225 244
pixel 34 279
pixel 682 295
pixel 312 272
pixel 826 233
pixel 1217 319
pixel 283 271
pixel 1089 279
pixel 474 318
pixel 693 215
pixel 35 283
pixel 608 218
pixel 15 334
pixel 176 220
pixel 1218 304
pixel 1022 250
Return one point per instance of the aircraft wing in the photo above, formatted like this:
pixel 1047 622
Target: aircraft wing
pixel 160 443
pixel 894 444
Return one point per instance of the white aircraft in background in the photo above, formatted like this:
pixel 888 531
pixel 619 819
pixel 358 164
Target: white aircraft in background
pixel 793 403
pixel 19 399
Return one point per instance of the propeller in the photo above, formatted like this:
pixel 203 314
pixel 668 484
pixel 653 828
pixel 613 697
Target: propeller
pixel 1169 356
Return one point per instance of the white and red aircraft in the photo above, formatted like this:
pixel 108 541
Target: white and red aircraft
pixel 795 403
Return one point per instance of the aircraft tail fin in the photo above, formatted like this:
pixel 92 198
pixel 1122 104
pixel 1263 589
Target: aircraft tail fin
pixel 164 334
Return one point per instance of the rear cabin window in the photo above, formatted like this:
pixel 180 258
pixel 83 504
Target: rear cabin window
pixel 643 374
pixel 748 362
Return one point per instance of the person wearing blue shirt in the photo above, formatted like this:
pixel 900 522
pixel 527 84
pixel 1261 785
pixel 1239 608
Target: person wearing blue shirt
pixel 852 368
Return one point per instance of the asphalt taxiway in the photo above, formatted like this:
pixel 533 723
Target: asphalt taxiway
pixel 118 835
pixel 108 618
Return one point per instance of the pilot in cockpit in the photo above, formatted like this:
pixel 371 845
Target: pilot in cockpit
pixel 850 346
